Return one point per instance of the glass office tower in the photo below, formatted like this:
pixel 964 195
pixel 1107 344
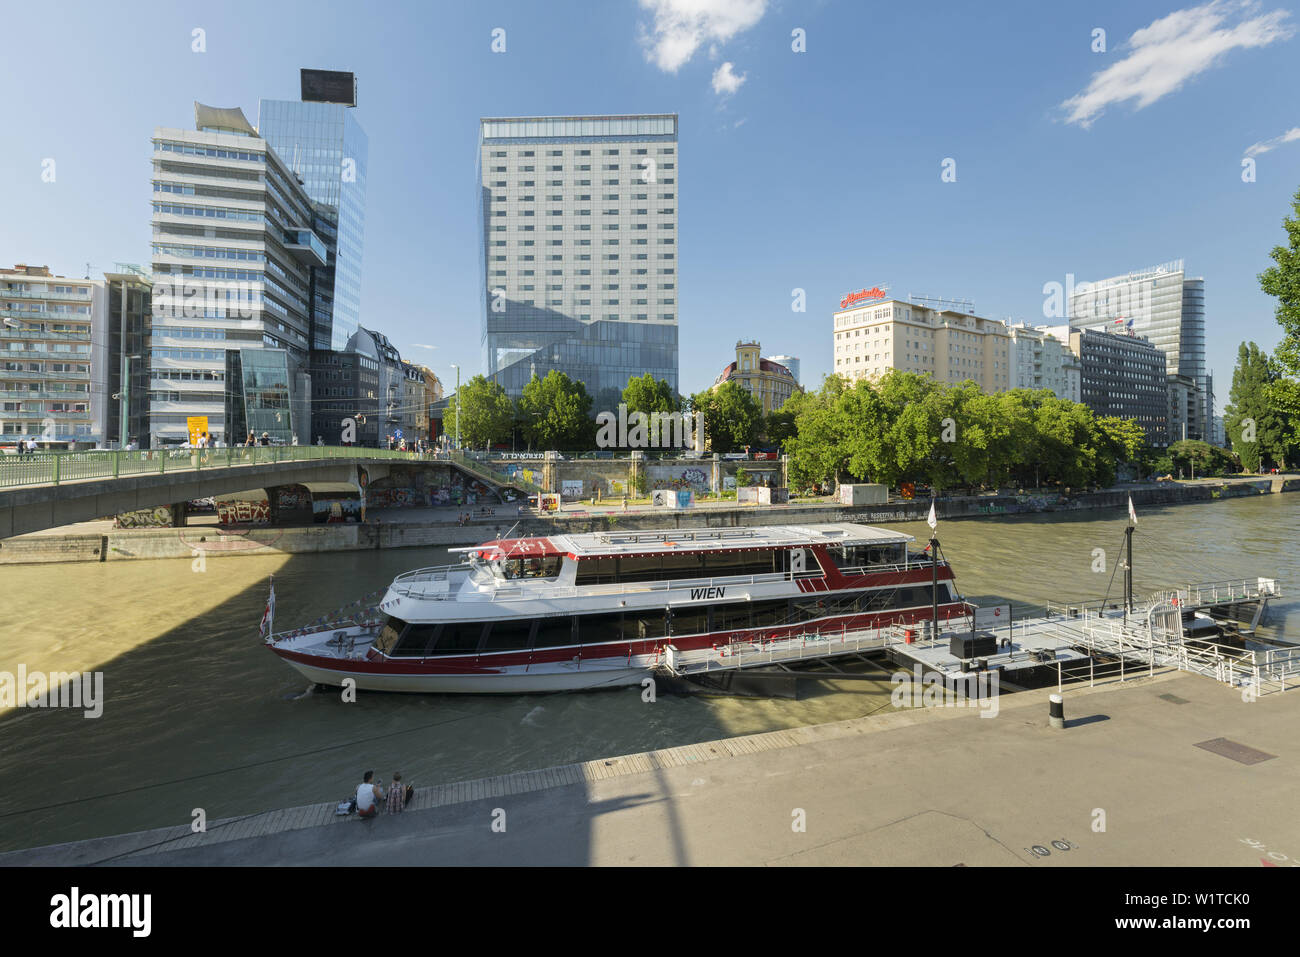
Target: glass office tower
pixel 578 218
pixel 328 149
pixel 1163 305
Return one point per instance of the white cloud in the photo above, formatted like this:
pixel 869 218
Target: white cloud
pixel 726 81
pixel 421 345
pixel 682 26
pixel 1289 136
pixel 1175 49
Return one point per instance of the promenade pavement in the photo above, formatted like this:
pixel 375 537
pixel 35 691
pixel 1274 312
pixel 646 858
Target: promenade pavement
pixel 1126 783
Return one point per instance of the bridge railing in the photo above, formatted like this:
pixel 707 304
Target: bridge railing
pixel 54 468
pixel 482 469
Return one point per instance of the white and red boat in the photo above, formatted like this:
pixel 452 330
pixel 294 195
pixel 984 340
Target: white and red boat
pixel 598 610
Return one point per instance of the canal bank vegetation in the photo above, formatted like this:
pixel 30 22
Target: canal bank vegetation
pixel 906 427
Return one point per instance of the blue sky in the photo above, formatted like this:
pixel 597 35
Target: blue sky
pixel 817 170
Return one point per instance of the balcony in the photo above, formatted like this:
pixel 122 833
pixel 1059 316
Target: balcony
pixel 306 246
pixel 28 294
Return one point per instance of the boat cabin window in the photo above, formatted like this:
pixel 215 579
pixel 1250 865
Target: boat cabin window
pixel 415 641
pixel 389 634
pixel 861 556
pixel 536 567
pixel 458 638
pixel 679 566
pixel 513 635
pixel 552 632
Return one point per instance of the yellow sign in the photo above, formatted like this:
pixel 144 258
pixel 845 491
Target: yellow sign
pixel 198 427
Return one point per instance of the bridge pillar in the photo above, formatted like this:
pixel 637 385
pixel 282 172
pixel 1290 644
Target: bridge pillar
pixel 634 468
pixel 180 514
pixel 717 474
pixel 548 472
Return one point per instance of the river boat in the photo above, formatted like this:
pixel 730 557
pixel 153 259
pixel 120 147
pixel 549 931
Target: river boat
pixel 599 610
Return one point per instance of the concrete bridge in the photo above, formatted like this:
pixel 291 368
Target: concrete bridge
pixel 50 489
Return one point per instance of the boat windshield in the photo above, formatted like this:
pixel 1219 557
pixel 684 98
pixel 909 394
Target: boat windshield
pixel 511 569
pixel 861 556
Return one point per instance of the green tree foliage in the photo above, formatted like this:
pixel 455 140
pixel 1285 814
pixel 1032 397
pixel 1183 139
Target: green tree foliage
pixel 731 416
pixel 555 413
pixel 778 425
pixel 1194 458
pixel 1282 281
pixel 486 413
pixel 907 427
pixel 644 394
pixel 1258 432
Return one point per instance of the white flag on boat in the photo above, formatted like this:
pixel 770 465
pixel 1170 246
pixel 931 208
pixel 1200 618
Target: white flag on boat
pixel 932 521
pixel 268 616
pixel 1132 515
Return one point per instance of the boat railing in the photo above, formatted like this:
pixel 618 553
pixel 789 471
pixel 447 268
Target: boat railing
pixel 414 584
pixel 859 571
pixel 543 588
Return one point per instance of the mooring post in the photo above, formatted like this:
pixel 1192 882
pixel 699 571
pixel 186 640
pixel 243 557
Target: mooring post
pixel 1056 711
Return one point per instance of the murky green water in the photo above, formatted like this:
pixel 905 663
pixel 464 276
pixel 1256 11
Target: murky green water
pixel 198 714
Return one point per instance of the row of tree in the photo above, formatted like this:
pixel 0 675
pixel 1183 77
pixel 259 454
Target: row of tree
pixel 908 427
pixel 556 412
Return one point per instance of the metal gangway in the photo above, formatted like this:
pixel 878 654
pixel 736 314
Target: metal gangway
pixel 1153 637
pixel 740 655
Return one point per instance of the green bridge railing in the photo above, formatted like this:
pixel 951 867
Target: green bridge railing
pixel 54 468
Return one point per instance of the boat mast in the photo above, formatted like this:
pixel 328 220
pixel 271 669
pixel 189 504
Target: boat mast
pixel 1128 560
pixel 933 522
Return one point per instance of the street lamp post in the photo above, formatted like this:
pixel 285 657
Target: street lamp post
pixel 457 368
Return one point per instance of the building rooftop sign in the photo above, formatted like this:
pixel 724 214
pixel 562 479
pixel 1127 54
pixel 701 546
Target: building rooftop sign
pixel 328 86
pixel 874 294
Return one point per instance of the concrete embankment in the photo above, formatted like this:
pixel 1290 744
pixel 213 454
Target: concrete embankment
pixel 398 529
pixel 1138 776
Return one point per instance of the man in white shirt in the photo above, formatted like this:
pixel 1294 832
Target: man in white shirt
pixel 368 796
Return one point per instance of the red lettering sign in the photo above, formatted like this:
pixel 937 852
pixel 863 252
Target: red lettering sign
pixel 866 295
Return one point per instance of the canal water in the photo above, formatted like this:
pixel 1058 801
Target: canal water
pixel 197 714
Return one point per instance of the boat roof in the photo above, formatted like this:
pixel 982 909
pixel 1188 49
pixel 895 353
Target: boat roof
pixel 601 544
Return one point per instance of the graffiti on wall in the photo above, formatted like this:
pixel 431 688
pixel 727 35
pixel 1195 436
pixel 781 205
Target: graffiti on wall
pixel 672 477
pixel 336 508
pixel 160 517
pixel 244 513
pixel 293 497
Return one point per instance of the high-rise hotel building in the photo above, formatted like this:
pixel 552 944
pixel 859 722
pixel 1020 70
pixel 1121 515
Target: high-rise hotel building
pixel 1163 305
pixel 873 336
pixel 579 249
pixel 233 254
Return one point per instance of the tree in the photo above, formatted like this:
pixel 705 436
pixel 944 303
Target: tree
pixel 644 394
pixel 1282 281
pixel 555 412
pixel 1122 440
pixel 731 416
pixel 1193 457
pixel 1255 429
pixel 778 425
pixel 486 413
